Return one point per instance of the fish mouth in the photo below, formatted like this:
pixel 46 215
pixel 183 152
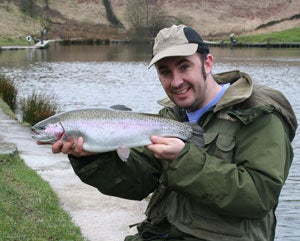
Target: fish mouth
pixel 42 136
pixel 43 139
pixel 35 132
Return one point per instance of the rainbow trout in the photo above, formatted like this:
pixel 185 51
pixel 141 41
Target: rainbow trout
pixel 106 130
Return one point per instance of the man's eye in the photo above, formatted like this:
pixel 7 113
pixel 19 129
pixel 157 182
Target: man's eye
pixel 184 67
pixel 164 72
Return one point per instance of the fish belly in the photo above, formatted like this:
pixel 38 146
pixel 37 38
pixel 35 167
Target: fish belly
pixel 112 138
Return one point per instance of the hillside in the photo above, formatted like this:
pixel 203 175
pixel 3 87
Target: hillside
pixel 87 18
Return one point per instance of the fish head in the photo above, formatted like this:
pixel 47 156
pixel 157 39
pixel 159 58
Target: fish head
pixel 48 131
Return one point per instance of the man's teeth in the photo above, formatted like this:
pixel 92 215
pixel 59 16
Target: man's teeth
pixel 179 92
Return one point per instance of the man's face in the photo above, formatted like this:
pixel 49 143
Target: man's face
pixel 184 80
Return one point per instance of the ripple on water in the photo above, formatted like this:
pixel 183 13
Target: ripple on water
pixel 79 83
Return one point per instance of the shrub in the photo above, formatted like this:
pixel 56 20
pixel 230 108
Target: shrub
pixel 8 92
pixel 37 107
pixel 146 18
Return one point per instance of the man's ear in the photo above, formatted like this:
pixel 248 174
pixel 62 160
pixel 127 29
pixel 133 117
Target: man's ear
pixel 208 64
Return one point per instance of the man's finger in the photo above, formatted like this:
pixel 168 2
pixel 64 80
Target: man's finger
pixel 56 147
pixel 78 146
pixel 158 140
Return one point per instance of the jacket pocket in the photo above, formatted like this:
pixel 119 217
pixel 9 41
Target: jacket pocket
pixel 191 217
pixel 219 145
pixel 206 220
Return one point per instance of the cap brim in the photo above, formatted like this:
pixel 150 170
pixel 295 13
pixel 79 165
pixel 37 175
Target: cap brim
pixel 178 50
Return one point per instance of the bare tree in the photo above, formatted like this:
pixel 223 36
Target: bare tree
pixel 46 2
pixel 7 4
pixel 46 24
pixel 111 17
pixel 27 7
pixel 146 18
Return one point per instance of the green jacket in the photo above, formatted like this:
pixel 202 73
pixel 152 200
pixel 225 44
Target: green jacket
pixel 229 189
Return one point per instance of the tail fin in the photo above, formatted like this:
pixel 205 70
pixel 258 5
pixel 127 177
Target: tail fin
pixel 197 135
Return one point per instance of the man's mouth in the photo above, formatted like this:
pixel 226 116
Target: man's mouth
pixel 181 91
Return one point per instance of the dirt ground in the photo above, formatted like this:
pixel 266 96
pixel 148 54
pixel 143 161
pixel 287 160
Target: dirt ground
pixel 87 18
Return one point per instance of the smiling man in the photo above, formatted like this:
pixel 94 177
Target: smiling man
pixel 185 79
pixel 226 190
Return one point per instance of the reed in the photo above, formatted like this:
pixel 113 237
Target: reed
pixel 37 107
pixel 8 92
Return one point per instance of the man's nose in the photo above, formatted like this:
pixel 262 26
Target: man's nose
pixel 177 79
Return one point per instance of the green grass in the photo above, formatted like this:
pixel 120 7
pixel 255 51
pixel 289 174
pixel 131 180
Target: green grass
pixel 29 209
pixel 7 110
pixel 286 36
pixel 14 42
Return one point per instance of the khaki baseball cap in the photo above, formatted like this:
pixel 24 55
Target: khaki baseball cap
pixel 178 40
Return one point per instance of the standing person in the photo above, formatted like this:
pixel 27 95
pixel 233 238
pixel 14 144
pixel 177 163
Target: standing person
pixel 227 190
pixel 42 35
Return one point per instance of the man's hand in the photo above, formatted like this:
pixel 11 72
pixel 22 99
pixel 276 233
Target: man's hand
pixel 166 148
pixel 72 146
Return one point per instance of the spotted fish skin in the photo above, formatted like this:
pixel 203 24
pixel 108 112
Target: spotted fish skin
pixel 106 130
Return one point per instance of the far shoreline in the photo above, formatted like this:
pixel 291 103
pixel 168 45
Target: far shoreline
pixel 90 41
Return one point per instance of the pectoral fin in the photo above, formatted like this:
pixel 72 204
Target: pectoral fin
pixel 123 153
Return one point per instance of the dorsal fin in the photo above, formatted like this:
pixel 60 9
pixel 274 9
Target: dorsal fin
pixel 121 107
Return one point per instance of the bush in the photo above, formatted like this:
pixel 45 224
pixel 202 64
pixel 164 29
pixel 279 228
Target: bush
pixel 146 18
pixel 37 107
pixel 8 92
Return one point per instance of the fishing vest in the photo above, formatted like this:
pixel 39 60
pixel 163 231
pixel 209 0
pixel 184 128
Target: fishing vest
pixel 190 217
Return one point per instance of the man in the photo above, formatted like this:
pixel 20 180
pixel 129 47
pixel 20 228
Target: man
pixel 43 32
pixel 227 190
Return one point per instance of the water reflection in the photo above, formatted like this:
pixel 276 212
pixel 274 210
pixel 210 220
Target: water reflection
pixel 106 75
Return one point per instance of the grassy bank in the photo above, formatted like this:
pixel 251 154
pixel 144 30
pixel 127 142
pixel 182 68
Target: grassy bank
pixel 286 36
pixel 14 42
pixel 29 209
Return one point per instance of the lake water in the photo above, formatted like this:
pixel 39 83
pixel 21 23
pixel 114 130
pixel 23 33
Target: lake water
pixel 101 76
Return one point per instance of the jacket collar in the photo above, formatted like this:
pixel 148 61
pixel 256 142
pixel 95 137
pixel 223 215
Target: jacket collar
pixel 241 87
